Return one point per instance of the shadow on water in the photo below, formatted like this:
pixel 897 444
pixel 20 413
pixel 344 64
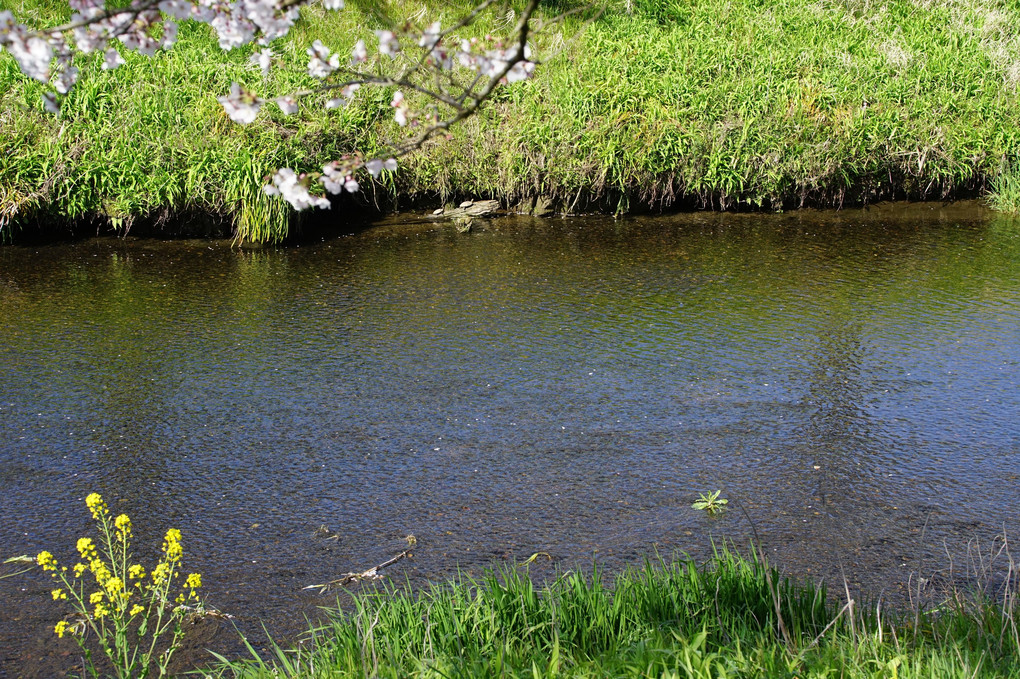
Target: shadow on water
pixel 563 386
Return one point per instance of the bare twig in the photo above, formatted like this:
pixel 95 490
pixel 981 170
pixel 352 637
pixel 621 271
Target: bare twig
pixel 370 574
pixel 463 112
pixel 132 12
pixel 846 607
pixel 198 612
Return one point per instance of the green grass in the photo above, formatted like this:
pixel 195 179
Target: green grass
pixel 733 617
pixel 1005 195
pixel 721 103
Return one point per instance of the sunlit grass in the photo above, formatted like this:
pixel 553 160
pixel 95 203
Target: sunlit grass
pixel 1005 194
pixel 732 617
pixel 720 103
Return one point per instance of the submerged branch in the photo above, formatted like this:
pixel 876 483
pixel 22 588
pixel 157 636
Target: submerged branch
pixel 370 574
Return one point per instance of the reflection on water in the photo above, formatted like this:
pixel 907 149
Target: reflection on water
pixel 565 386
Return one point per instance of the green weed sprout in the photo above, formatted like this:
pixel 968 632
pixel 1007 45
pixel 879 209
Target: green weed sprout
pixel 128 610
pixel 710 502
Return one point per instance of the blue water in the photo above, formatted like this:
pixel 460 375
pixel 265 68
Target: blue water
pixel 848 380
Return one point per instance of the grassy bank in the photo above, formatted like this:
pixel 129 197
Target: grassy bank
pixel 720 103
pixel 733 617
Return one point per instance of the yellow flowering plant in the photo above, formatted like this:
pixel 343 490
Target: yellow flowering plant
pixel 127 609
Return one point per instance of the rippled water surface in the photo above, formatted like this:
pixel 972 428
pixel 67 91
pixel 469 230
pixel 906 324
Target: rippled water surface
pixel 849 380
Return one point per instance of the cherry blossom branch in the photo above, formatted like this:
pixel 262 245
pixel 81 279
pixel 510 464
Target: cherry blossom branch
pixel 96 18
pixel 517 58
pixel 500 66
pixel 47 55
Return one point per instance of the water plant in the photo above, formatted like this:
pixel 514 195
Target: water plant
pixel 136 616
pixel 710 502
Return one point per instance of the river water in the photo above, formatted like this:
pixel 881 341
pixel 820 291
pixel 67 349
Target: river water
pixel 848 380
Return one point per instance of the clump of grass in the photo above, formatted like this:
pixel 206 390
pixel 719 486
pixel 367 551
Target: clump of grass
pixel 731 617
pixel 1005 193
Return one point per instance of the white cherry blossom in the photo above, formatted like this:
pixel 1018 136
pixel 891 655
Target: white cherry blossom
pixel 263 59
pixel 137 37
pixel 64 81
pixel 86 9
pixel 465 56
pixel 112 59
pixel 400 108
pixel 50 102
pixel 288 105
pixel 322 62
pixel 85 5
pixel 294 189
pixel 388 43
pixel 522 70
pixel 241 105
pixel 430 37
pixel 233 31
pixel 497 60
pixel 6 24
pixel 169 34
pixel 375 166
pixel 359 54
pixel 178 9
pixel 268 17
pixel 34 56
pixel 87 39
pixel 441 57
pixel 346 94
pixel 335 180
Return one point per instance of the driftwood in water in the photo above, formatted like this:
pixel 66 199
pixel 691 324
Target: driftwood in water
pixel 370 574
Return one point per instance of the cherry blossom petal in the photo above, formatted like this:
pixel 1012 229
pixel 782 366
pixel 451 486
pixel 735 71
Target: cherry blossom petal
pixel 241 105
pixel 288 105
pixel 112 59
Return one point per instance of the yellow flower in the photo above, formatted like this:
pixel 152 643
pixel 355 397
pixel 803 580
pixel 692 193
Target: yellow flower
pixel 58 594
pixel 95 597
pixel 123 525
pixel 86 548
pixel 79 568
pixel 160 572
pixel 136 572
pixel 101 611
pixel 96 505
pixel 136 609
pixel 113 586
pixel 60 629
pixel 172 545
pixel 46 560
pixel 101 571
pixel 194 581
